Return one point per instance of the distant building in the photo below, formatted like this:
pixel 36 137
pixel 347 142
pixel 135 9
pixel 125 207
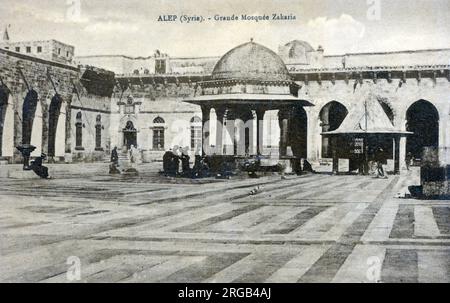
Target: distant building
pixel 49 50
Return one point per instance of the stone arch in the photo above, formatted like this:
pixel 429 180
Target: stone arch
pixel 422 118
pixel 54 121
pixel 331 117
pixel 6 123
pixel 30 104
pixel 388 110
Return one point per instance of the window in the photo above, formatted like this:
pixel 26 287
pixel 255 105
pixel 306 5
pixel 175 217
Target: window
pixel 196 132
pixel 136 72
pixel 28 49
pixel 39 49
pixel 98 133
pixel 158 133
pixel 18 49
pixel 129 107
pixel 6 47
pixel 59 51
pixel 79 132
pixel 67 54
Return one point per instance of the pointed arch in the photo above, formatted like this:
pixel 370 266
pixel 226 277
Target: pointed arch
pixel 422 118
pixel 331 117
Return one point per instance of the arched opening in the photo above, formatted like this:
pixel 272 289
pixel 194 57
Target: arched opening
pixel 54 112
pixel 4 95
pixel 298 133
pixel 331 116
pixel 129 135
pixel 423 120
pixel 28 113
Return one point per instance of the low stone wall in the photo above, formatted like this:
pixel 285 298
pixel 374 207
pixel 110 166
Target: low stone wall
pixel 435 181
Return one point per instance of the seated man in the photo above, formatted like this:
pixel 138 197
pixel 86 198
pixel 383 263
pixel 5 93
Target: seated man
pixel 38 168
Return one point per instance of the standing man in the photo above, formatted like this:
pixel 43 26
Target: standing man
pixel 379 157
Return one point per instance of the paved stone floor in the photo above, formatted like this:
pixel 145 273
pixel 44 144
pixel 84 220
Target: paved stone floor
pixel 314 228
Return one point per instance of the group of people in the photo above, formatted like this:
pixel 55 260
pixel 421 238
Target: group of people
pixel 178 155
pixel 172 160
pixel 133 156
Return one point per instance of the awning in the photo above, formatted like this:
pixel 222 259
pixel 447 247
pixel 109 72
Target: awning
pixel 267 100
pixel 367 118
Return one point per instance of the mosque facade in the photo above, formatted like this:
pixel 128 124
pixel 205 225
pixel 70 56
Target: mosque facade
pixel 250 101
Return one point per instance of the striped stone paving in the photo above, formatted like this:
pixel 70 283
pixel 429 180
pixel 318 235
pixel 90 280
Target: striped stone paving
pixel 313 228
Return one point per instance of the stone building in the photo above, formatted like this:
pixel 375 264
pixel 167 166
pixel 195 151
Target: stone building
pixel 141 102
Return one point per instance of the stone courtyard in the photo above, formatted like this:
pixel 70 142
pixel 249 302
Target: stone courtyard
pixel 311 228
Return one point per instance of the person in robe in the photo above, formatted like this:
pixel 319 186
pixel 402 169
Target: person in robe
pixel 176 160
pixel 379 158
pixel 167 162
pixel 38 168
pixel 115 156
pixel 185 166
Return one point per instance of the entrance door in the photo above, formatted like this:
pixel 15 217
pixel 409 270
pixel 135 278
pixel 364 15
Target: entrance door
pixel 130 138
pixel 129 135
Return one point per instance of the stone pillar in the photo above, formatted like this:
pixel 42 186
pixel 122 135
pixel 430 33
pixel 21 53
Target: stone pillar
pixel 333 146
pixel 220 112
pixel 402 153
pixel 205 129
pixel 259 131
pixel 283 121
pixel 8 130
pixel 396 157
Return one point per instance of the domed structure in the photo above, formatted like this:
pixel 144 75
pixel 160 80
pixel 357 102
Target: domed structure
pixel 251 61
pixel 296 52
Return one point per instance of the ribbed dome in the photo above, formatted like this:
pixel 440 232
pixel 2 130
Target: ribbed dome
pixel 251 61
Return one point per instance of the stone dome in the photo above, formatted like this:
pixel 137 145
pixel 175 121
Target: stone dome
pixel 251 61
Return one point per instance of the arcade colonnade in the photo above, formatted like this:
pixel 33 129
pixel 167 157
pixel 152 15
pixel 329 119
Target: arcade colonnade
pixel 32 119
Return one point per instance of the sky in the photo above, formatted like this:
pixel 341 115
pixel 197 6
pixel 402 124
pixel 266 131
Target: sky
pixel 113 27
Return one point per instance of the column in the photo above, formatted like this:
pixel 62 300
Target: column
pixel 334 152
pixel 220 112
pixel 283 121
pixel 402 153
pixel 260 131
pixel 397 158
pixel 205 129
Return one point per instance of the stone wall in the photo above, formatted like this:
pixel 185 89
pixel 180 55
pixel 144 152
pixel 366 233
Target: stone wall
pixel 21 74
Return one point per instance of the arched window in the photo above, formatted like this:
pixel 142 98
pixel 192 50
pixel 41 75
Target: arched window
pixel 98 133
pixel 158 133
pixel 159 120
pixel 196 132
pixel 79 132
